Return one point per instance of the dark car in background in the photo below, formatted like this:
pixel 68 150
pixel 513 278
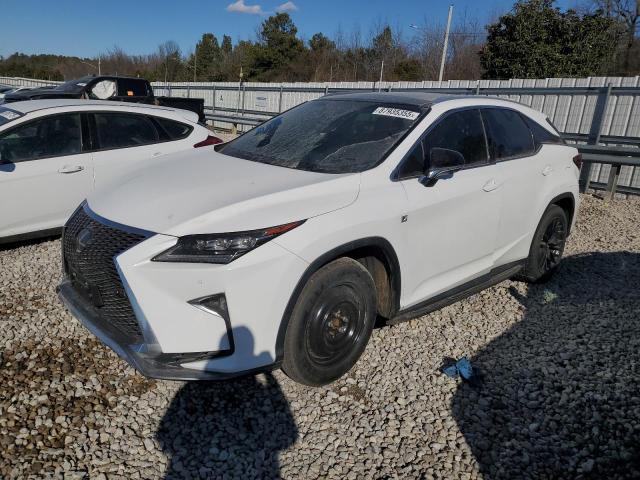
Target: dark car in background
pixel 107 87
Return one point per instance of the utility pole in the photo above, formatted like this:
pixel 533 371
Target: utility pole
pixel 381 70
pixel 195 63
pixel 99 66
pixel 446 42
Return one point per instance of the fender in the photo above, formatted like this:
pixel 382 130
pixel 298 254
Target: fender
pixel 559 198
pixel 392 261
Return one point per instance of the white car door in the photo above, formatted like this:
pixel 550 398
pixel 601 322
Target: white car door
pixel 451 223
pixel 523 172
pixel 126 140
pixel 44 174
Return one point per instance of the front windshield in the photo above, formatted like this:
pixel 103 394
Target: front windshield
pixel 74 85
pixel 328 136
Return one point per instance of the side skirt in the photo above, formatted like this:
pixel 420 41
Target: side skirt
pixel 458 293
pixel 23 237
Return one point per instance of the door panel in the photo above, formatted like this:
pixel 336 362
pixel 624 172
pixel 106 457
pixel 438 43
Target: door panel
pixel 126 142
pixel 452 223
pixel 41 194
pixel 452 230
pixel 522 170
pixel 44 175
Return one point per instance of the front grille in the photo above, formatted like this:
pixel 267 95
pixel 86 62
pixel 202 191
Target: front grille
pixel 88 249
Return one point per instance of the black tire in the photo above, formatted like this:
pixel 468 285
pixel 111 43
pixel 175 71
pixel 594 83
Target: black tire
pixel 547 246
pixel 330 324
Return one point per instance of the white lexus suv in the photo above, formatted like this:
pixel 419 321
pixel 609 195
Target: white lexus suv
pixel 282 247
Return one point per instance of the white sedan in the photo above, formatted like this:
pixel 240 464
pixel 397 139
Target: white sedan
pixel 53 153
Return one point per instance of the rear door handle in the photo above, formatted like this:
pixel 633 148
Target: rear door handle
pixel 490 185
pixel 70 169
pixel 547 170
pixel 157 154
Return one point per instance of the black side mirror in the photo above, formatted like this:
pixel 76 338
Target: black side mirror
pixel 443 163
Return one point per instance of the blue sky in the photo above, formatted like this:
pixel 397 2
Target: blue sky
pixel 89 27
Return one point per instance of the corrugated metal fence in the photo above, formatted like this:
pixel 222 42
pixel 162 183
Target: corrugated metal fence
pixel 595 110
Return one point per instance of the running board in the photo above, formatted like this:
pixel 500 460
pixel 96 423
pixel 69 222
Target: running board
pixel 458 293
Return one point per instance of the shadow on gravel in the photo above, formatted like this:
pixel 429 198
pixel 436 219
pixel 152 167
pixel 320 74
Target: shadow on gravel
pixel 228 429
pixel 561 390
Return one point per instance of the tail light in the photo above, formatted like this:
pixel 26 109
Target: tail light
pixel 210 140
pixel 578 160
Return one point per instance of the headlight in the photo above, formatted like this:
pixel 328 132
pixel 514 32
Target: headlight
pixel 220 247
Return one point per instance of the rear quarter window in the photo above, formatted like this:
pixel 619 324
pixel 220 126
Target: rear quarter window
pixel 174 130
pixel 540 134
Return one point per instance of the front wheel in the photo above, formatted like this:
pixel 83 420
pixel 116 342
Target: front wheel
pixel 547 246
pixel 330 324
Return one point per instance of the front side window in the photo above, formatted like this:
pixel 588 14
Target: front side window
pixel 53 136
pixel 462 132
pixel 328 136
pixel 507 134
pixel 120 130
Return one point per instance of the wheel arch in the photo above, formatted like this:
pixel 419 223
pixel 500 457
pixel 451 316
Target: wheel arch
pixel 376 247
pixel 567 202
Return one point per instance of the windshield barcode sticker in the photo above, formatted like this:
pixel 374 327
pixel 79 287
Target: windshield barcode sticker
pixel 396 112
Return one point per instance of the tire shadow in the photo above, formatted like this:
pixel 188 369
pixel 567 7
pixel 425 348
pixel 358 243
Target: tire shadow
pixel 560 396
pixel 227 429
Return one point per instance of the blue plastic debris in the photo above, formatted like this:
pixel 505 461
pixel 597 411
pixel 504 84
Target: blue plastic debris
pixel 460 368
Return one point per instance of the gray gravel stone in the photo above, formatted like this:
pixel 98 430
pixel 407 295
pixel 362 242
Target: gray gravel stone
pixel 560 395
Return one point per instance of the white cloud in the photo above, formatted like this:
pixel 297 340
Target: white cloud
pixel 287 7
pixel 240 7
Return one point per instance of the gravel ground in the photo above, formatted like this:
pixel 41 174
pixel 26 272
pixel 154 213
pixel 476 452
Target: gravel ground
pixel 559 395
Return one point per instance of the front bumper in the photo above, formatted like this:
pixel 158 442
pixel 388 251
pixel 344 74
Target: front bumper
pixel 146 363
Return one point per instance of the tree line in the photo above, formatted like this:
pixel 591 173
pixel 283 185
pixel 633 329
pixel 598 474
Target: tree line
pixel 535 39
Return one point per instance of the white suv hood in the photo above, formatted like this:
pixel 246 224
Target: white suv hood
pixel 207 192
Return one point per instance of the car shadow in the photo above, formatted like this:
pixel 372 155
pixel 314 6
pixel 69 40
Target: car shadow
pixel 230 429
pixel 560 391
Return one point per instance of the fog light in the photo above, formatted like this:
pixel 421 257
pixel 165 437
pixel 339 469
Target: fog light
pixel 216 304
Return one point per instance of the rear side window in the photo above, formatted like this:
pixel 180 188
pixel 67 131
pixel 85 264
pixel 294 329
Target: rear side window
pixel 120 130
pixel 129 87
pixel 507 134
pixel 541 134
pixel 174 130
pixel 53 136
pixel 461 131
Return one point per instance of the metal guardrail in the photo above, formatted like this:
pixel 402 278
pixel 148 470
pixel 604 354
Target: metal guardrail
pixel 602 110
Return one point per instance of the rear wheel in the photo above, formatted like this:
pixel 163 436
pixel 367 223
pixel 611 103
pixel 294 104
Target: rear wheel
pixel 330 324
pixel 547 246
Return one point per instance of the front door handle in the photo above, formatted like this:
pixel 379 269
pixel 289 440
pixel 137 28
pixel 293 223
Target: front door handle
pixel 70 169
pixel 490 185
pixel 547 170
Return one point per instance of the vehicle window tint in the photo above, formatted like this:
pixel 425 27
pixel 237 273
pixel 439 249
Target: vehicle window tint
pixel 507 133
pixel 175 130
pixel 119 130
pixel 130 87
pixel 53 136
pixel 541 134
pixel 413 164
pixel 461 131
pixel 327 135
